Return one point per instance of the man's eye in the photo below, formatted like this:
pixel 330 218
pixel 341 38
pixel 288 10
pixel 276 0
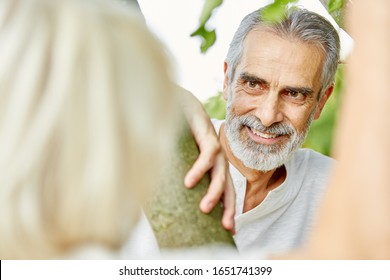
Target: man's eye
pixel 295 95
pixel 254 87
pixel 252 84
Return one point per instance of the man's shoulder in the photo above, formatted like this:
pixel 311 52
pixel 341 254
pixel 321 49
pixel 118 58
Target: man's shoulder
pixel 312 170
pixel 311 155
pixel 312 159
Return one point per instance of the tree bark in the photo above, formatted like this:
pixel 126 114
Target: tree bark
pixel 173 211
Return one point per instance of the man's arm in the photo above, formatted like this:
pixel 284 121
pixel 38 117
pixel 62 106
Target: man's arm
pixel 211 158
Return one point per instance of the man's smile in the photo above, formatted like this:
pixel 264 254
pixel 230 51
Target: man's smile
pixel 264 137
pixel 262 134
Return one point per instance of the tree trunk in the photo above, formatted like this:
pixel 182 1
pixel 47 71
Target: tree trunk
pixel 173 211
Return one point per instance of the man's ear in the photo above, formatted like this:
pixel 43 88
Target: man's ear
pixel 323 101
pixel 226 80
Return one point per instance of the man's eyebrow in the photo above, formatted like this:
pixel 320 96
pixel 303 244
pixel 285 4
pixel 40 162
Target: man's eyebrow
pixel 252 78
pixel 304 90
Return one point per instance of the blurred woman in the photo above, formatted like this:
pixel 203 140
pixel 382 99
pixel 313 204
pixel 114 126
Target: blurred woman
pixel 87 117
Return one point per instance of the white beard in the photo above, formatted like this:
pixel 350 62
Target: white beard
pixel 258 156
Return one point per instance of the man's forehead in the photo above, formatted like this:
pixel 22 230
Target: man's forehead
pixel 268 36
pixel 288 61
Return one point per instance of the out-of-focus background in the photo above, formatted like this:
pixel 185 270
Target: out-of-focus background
pixel 202 73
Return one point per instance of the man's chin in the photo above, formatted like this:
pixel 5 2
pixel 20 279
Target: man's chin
pixel 264 166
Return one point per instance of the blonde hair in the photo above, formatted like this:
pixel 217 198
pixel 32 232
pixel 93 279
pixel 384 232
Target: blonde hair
pixel 87 115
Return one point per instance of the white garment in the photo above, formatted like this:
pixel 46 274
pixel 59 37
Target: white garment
pixel 285 217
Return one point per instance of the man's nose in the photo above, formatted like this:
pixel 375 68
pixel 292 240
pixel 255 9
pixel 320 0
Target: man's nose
pixel 269 110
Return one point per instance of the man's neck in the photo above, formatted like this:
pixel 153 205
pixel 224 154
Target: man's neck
pixel 258 183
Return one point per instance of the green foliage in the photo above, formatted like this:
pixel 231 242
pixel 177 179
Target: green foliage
pixel 207 10
pixel 275 11
pixel 321 132
pixel 336 9
pixel 208 36
pixel 335 5
pixel 215 107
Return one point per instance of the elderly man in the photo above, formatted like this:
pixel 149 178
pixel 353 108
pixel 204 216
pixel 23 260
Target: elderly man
pixel 278 77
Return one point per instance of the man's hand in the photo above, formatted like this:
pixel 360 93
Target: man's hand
pixel 211 158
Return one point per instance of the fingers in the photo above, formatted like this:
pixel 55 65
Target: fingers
pixel 229 204
pixel 217 185
pixel 205 137
pixel 205 161
pixel 221 188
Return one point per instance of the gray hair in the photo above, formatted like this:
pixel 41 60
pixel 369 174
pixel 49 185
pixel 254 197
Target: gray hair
pixel 298 23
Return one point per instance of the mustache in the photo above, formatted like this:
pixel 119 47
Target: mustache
pixel 255 123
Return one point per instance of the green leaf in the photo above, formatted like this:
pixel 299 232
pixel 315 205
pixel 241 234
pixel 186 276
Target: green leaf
pixel 208 9
pixel 276 12
pixel 335 5
pixel 284 2
pixel 208 38
pixel 215 107
pixel 273 13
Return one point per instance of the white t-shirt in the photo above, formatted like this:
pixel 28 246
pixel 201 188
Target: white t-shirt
pixel 285 217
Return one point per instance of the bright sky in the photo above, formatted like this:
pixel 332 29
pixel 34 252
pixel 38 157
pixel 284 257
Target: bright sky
pixel 174 20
